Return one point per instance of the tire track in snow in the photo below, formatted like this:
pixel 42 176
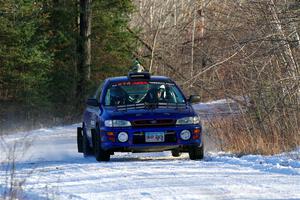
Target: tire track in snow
pixel 62 173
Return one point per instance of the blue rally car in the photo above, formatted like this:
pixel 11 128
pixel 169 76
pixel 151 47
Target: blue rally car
pixel 140 113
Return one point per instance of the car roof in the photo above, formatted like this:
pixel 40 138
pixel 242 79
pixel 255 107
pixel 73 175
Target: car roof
pixel 152 78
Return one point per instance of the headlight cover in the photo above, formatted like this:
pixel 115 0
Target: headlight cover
pixel 117 123
pixel 188 120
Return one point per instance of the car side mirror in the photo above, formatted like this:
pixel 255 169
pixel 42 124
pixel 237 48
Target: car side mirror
pixel 92 102
pixel 194 99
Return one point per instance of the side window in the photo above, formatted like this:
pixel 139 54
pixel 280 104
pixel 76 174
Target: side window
pixel 107 98
pixel 177 94
pixel 98 92
pixel 170 95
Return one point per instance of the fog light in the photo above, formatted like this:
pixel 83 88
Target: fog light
pixel 122 136
pixel 185 134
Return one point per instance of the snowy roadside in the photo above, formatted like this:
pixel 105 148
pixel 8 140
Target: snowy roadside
pixel 52 169
pixel 223 107
pixel 47 166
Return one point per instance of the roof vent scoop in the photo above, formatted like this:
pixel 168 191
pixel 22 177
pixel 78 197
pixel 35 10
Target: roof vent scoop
pixel 137 67
pixel 138 72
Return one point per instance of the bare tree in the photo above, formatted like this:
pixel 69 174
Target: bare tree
pixel 247 51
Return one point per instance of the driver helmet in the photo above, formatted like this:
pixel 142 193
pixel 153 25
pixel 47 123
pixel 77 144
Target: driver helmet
pixel 162 89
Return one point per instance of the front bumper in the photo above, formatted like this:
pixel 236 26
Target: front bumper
pixel 136 138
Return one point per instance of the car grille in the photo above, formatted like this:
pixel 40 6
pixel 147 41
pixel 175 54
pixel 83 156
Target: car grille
pixel 139 138
pixel 154 123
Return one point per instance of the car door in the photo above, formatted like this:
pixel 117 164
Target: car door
pixel 92 112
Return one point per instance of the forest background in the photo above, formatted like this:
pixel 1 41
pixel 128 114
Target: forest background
pixel 54 53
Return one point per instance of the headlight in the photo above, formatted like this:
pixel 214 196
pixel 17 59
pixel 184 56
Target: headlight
pixel 122 136
pixel 188 120
pixel 117 123
pixel 185 134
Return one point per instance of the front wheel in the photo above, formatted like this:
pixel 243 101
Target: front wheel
pixel 196 153
pixel 175 152
pixel 100 154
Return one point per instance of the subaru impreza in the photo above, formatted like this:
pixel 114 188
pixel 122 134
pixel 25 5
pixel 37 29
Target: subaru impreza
pixel 140 113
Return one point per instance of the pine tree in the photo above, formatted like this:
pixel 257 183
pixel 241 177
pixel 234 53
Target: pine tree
pixel 25 60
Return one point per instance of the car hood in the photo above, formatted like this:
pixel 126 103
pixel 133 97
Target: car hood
pixel 157 113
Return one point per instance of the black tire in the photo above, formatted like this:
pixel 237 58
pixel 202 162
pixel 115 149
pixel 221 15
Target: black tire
pixel 100 154
pixel 196 153
pixel 86 148
pixel 176 152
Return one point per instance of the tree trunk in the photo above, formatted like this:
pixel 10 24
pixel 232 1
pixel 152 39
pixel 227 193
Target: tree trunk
pixel 84 49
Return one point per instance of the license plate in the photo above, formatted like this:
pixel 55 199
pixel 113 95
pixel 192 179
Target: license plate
pixel 154 136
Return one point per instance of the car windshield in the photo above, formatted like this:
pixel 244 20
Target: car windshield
pixel 135 92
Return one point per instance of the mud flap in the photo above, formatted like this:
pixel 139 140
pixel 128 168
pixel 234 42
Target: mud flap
pixel 79 140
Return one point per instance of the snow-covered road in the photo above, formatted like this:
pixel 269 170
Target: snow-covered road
pixel 52 169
